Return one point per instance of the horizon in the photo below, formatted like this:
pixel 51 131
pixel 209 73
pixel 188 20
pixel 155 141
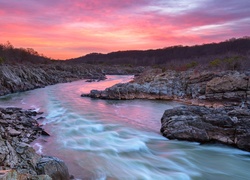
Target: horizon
pixel 62 29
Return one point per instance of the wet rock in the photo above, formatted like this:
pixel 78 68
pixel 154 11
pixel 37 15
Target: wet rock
pixel 53 167
pixel 194 123
pixel 90 80
pixel 44 133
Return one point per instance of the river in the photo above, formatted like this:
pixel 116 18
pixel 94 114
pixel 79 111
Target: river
pixel 110 139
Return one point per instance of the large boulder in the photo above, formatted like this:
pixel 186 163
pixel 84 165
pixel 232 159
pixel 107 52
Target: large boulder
pixel 194 123
pixel 53 167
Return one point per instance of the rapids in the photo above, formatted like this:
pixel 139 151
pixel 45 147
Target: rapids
pixel 110 139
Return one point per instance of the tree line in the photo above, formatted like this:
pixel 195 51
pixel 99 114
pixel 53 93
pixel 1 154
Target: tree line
pixel 233 52
pixel 11 55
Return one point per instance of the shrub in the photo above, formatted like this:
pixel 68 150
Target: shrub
pixel 232 63
pixel 192 64
pixel 1 60
pixel 215 63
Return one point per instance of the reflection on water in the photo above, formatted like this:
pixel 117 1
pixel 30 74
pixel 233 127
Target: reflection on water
pixel 108 139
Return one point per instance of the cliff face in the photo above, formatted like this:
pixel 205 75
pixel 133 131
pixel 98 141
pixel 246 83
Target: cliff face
pixel 22 77
pixel 171 85
pixel 14 78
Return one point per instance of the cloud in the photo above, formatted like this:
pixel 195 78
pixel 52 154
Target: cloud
pixel 60 28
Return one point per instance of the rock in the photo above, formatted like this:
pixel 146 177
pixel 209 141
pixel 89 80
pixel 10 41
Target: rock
pixel 23 77
pixel 53 167
pixel 14 132
pixel 14 175
pixel 184 86
pixel 44 133
pixel 16 78
pixel 90 80
pixel 40 118
pixel 15 152
pixel 227 83
pixel 202 124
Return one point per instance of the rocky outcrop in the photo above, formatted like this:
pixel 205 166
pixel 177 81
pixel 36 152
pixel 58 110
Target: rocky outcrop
pixel 22 77
pixel 228 125
pixel 15 78
pixel 171 85
pixel 18 159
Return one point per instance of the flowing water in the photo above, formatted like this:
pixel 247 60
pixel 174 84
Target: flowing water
pixel 109 139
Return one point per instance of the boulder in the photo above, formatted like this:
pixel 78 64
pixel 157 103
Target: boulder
pixel 53 167
pixel 230 126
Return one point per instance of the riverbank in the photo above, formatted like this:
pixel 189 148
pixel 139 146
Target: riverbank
pixel 213 91
pixel 230 86
pixel 16 78
pixel 23 77
pixel 100 139
pixel 18 160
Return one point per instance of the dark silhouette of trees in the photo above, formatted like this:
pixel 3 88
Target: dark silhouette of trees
pixel 231 54
pixel 9 54
pixel 183 57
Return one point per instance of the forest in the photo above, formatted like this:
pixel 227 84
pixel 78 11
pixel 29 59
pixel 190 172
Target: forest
pixel 232 54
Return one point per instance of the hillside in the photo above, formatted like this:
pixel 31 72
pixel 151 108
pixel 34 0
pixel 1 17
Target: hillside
pixel 234 53
pixel 11 55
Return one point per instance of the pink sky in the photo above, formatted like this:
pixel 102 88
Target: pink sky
pixel 64 29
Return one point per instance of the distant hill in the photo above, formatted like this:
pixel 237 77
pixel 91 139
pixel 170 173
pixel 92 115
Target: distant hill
pixel 9 54
pixel 233 54
pixel 173 56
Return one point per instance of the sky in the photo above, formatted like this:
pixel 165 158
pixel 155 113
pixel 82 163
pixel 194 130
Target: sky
pixel 63 29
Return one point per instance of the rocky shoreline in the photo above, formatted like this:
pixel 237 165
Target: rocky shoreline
pixel 23 77
pixel 18 128
pixel 220 103
pixel 18 160
pixel 221 112
pixel 204 86
pixel 16 78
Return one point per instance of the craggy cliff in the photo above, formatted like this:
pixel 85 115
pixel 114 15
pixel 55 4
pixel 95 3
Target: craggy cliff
pixel 14 78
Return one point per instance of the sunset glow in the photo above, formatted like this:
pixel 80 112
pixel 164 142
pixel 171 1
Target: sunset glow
pixel 65 29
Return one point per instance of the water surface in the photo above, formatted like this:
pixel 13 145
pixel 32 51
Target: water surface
pixel 109 139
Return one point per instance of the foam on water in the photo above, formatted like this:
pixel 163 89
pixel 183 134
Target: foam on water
pixel 38 147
